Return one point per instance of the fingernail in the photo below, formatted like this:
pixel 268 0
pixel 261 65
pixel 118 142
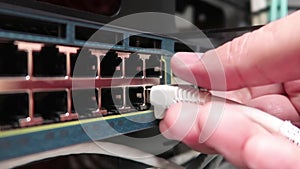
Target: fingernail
pixel 183 59
pixel 182 64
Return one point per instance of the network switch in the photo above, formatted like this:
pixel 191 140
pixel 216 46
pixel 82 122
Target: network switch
pixel 55 80
pixel 46 72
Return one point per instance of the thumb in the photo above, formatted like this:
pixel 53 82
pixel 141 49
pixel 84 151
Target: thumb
pixel 267 55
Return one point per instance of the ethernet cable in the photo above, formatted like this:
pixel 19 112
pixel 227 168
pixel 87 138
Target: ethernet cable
pixel 273 10
pixel 283 7
pixel 162 96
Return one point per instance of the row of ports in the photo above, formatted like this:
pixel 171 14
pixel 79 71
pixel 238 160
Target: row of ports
pixel 45 28
pixel 32 26
pixel 38 60
pixel 21 110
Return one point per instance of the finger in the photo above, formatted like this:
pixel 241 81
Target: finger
pixel 270 151
pixel 246 94
pixel 183 124
pixel 267 55
pixel 276 105
pixel 293 90
pixel 229 136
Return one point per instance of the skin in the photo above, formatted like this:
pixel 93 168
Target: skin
pixel 261 71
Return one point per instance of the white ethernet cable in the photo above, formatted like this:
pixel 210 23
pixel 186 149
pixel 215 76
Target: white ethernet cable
pixel 162 96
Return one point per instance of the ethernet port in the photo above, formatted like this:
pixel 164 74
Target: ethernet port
pixel 147 95
pixel 136 98
pixel 13 107
pixel 50 105
pixel 86 64
pixel 112 99
pixel 49 62
pixel 134 66
pixel 183 47
pixel 153 66
pixel 85 102
pixel 111 65
pixel 12 62
pixel 144 42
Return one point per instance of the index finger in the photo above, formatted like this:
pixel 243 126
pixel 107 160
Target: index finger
pixel 267 55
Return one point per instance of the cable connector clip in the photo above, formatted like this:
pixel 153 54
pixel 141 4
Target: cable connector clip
pixel 162 96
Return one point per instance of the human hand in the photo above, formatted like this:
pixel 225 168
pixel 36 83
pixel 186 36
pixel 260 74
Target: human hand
pixel 261 70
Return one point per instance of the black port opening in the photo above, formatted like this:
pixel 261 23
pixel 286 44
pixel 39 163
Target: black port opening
pixel 103 36
pixel 144 42
pixel 13 107
pixel 181 47
pixel 108 8
pixel 49 62
pixel 147 95
pixel 153 66
pixel 86 64
pixel 85 102
pixel 12 62
pixel 134 66
pixel 136 98
pixel 111 65
pixel 111 99
pixel 33 26
pixel 50 105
